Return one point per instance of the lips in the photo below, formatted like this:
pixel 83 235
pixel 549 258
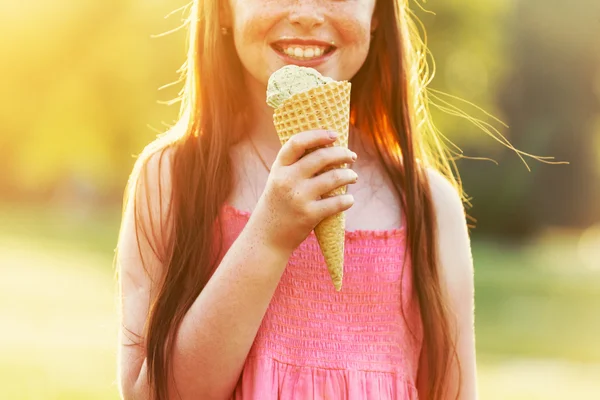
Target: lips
pixel 303 50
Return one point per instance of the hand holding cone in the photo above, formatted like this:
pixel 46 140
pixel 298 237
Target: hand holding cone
pixel 325 106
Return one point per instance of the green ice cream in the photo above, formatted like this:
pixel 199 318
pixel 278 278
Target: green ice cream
pixel 290 80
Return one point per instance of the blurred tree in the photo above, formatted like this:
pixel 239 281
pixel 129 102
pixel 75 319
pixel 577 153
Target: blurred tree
pixel 82 91
pixel 80 98
pixel 551 105
pixel 469 46
pixel 94 71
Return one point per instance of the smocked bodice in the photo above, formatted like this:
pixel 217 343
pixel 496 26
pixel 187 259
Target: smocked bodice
pixel 362 342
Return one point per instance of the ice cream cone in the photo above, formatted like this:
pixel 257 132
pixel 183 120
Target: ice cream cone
pixel 322 107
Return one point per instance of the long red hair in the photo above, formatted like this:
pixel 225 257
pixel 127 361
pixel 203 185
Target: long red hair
pixel 388 102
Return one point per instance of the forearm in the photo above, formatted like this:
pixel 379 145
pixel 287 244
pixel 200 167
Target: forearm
pixel 219 329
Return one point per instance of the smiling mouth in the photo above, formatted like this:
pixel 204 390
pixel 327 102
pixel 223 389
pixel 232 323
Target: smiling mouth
pixel 302 52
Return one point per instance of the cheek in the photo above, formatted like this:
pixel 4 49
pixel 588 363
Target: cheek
pixel 354 30
pixel 248 27
pixel 252 19
pixel 352 20
pixel 250 31
pixel 355 36
pixel 253 22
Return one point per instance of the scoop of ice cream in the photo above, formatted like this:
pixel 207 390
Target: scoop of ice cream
pixel 290 80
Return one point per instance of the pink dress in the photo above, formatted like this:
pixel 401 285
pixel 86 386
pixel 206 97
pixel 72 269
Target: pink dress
pixel 316 343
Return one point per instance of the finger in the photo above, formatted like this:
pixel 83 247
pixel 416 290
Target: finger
pixel 319 159
pixel 329 206
pixel 330 180
pixel 298 144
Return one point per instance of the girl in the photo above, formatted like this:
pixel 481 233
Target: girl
pixel 224 292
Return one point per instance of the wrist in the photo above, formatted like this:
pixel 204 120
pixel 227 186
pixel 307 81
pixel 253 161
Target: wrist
pixel 259 228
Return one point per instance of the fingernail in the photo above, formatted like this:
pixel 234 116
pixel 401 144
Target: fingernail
pixel 354 156
pixel 333 135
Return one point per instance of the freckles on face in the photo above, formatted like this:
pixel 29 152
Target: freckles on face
pixel 259 26
pixel 252 21
pixel 352 22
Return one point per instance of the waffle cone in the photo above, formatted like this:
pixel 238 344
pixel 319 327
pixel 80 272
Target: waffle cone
pixel 323 107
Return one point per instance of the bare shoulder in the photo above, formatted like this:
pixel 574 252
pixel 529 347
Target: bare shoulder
pixel 452 232
pixel 154 167
pixel 447 202
pixel 146 213
pixel 150 183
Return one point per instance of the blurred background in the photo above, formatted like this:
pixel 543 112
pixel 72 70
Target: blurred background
pixel 80 98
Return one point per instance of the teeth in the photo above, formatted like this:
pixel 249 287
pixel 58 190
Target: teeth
pixel 304 52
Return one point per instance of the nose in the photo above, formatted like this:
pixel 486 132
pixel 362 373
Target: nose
pixel 306 15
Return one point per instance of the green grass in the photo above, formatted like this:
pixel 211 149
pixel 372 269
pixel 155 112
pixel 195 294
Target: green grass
pixel 536 306
pixel 537 301
pixel 59 323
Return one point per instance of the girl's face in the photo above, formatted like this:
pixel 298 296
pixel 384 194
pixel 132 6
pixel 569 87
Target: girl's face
pixel 332 36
